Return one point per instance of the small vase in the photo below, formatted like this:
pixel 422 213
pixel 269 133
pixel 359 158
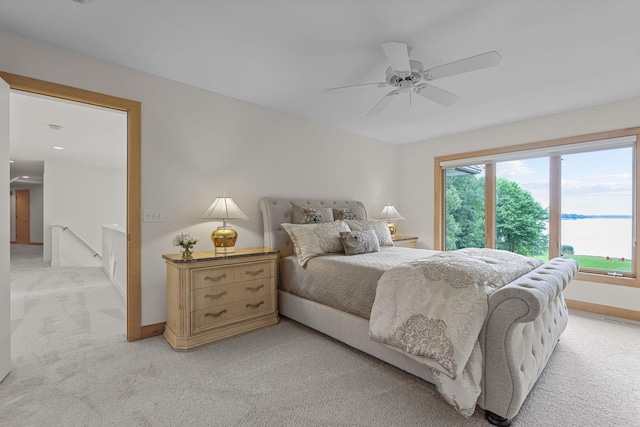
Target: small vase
pixel 187 253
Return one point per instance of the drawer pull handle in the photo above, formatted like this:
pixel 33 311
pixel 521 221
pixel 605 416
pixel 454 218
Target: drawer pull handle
pixel 254 289
pixel 216 296
pixel 215 278
pixel 218 314
pixel 254 305
pixel 254 273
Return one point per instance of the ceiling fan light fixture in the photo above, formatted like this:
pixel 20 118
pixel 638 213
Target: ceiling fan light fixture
pixel 407 75
pixel 405 86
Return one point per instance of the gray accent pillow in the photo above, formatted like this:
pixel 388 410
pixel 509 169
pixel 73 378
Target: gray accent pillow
pixel 308 215
pixel 355 212
pixel 359 242
pixel 311 240
pixel 380 227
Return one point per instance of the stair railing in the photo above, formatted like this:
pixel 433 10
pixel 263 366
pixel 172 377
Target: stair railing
pixel 72 231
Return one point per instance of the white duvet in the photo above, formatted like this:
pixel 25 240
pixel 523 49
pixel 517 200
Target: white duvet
pixel 433 310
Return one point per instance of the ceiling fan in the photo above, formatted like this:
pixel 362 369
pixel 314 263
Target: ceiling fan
pixel 409 76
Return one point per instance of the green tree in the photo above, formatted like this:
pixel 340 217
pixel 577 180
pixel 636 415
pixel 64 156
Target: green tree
pixel 465 212
pixel 520 220
pixel 452 226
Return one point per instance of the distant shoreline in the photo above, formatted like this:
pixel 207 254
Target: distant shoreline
pixel 580 216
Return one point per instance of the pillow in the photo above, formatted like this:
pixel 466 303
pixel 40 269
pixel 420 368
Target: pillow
pixel 308 215
pixel 311 240
pixel 380 227
pixel 356 212
pixel 359 242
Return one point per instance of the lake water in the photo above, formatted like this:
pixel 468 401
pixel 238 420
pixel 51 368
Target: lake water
pixel 599 236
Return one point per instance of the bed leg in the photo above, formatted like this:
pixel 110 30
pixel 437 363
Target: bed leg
pixel 497 420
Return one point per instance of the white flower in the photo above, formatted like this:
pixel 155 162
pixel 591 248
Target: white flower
pixel 185 240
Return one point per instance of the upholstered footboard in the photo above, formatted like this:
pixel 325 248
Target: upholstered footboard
pixel 525 320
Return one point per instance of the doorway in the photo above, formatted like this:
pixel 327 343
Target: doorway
pixel 23 217
pixel 135 331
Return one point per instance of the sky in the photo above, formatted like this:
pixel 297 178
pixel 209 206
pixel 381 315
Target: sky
pixel 595 183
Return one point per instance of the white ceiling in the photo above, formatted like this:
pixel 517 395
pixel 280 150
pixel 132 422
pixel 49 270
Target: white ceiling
pixel 90 135
pixel 556 55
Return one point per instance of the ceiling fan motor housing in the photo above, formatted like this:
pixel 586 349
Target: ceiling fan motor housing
pixel 415 76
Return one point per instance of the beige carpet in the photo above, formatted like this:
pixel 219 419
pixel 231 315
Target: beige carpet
pixel 72 367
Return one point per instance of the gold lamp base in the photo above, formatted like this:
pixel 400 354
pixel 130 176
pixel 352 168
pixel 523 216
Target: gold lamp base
pixel 392 228
pixel 224 239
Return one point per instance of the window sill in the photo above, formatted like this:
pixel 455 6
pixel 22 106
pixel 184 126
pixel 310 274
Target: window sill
pixel 609 280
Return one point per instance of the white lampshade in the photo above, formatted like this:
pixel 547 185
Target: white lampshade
pixel 390 213
pixel 223 208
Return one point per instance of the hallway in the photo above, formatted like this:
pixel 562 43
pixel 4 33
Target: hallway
pixel 58 309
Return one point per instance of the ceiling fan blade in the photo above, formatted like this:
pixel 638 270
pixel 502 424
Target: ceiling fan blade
pixel 478 62
pixel 333 89
pixel 436 94
pixel 383 103
pixel 398 56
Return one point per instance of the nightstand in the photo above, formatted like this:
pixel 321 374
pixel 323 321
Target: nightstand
pixel 404 241
pixel 215 296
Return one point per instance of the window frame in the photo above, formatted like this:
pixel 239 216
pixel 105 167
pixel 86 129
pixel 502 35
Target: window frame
pixel 632 280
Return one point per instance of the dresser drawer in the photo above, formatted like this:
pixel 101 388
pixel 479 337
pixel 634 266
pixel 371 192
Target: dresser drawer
pixel 225 294
pixel 221 314
pixel 208 277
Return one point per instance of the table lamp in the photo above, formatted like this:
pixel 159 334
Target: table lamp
pixel 224 237
pixel 390 214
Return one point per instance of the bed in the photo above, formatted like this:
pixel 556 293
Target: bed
pixel 523 321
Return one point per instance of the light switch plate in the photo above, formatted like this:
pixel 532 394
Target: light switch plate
pixel 152 215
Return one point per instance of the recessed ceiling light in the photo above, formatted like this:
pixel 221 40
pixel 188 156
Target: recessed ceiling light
pixel 25 177
pixel 10 161
pixel 54 126
pixel 56 147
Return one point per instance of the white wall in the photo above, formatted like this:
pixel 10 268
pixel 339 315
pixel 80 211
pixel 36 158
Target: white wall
pixel 197 144
pixel 417 172
pixel 82 197
pixel 36 218
pixel 114 257
pixel 5 305
pixel 35 210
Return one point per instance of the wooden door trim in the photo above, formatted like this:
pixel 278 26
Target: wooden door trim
pixel 134 119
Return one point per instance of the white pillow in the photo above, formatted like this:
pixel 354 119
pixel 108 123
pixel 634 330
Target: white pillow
pixel 354 212
pixel 379 227
pixel 311 240
pixel 309 215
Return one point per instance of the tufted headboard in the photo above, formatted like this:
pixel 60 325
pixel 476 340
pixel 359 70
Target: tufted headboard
pixel 276 211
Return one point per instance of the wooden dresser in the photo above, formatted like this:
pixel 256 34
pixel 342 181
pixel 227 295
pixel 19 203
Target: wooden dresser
pixel 404 241
pixel 214 296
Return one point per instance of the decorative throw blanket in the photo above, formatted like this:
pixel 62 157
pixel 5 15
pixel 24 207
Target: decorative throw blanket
pixel 434 308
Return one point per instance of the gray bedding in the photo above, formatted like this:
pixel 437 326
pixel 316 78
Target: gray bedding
pixel 347 283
